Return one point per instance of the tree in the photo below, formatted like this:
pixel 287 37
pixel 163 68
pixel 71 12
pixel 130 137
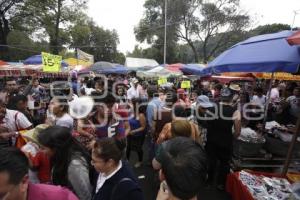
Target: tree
pixel 119 58
pixel 269 28
pixel 151 30
pixel 95 40
pixel 194 22
pixel 54 18
pixel 21 46
pixel 5 16
pixel 136 53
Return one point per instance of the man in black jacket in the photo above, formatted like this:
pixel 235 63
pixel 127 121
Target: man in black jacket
pixel 116 180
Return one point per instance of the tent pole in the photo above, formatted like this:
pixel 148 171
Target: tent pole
pixel 291 148
pixel 165 34
pixel 76 52
pixel 268 101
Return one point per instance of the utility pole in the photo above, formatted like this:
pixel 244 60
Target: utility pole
pixel 296 12
pixel 165 38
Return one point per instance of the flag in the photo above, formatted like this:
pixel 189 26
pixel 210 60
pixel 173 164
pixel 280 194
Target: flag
pixel 81 55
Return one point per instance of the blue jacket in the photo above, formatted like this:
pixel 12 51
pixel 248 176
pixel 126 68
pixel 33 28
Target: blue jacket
pixel 121 186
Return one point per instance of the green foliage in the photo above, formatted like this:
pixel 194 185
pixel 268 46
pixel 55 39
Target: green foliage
pixel 96 40
pixel 23 47
pixel 192 21
pixel 53 26
pixel 119 58
pixel 269 28
pixel 54 17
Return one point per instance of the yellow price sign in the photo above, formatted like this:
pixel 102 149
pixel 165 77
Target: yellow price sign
pixel 51 63
pixel 185 84
pixel 162 81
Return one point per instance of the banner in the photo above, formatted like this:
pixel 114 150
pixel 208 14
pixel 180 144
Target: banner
pixel 279 76
pixel 81 55
pixel 162 81
pixel 186 84
pixel 51 63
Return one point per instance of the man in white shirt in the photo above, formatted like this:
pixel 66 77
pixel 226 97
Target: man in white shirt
pixel 133 91
pixel 259 98
pixel 13 121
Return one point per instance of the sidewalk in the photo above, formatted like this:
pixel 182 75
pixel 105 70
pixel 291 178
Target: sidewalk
pixel 150 184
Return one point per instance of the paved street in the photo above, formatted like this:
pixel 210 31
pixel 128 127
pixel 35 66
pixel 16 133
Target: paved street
pixel 150 184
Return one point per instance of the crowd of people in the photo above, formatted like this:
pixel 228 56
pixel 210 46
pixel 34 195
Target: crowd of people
pixel 74 140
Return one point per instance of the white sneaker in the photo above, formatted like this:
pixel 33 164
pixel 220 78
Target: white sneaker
pixel 138 164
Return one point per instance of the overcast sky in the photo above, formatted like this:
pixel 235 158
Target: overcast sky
pixel 123 15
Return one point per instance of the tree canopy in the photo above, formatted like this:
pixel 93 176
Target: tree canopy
pixel 212 24
pixel 28 27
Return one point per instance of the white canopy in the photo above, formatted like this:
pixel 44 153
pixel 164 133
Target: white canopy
pixel 140 62
pixel 158 72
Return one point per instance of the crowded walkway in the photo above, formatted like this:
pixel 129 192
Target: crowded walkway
pixel 123 137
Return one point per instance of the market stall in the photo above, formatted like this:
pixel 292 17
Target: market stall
pixel 77 64
pixel 268 53
pixel 174 67
pixel 158 72
pixel 37 60
pixel 193 69
pixel 19 69
pixel 105 68
pixel 228 79
pixel 251 185
pixel 278 76
pixel 268 150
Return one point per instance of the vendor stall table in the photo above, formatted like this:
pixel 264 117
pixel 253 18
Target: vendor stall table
pixel 237 190
pixel 262 162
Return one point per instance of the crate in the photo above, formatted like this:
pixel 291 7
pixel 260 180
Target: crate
pixel 280 148
pixel 246 149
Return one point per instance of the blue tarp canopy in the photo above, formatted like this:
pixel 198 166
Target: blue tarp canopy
pixel 193 69
pixel 263 53
pixel 37 60
pixel 105 69
pixel 118 69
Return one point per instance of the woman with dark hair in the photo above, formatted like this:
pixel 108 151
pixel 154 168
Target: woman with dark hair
pixel 58 113
pixel 107 121
pixel 70 162
pixel 136 137
pixel 116 180
pixel 99 86
pixel 121 93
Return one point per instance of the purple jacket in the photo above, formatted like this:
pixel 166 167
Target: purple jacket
pixel 49 192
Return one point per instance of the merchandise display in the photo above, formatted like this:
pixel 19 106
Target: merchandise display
pixel 249 135
pixel 264 188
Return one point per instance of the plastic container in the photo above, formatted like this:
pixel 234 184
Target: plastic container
pixel 280 148
pixel 246 149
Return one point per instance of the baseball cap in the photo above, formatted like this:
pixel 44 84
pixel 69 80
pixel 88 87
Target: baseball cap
pixel 204 102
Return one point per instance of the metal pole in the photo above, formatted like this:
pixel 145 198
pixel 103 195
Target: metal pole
pixel 268 101
pixel 291 148
pixel 76 52
pixel 295 14
pixel 165 38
